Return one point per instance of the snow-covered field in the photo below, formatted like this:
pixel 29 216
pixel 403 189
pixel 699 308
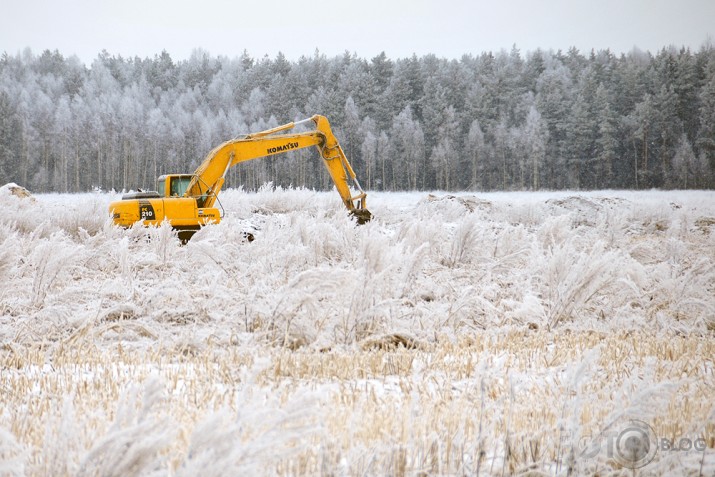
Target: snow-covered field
pixel 468 334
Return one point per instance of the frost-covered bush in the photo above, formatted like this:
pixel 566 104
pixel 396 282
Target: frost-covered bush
pixel 425 265
pixel 425 332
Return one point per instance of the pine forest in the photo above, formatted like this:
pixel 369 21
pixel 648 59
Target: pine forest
pixel 510 120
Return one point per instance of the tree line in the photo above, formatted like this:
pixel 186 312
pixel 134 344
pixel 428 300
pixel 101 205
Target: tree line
pixel 492 121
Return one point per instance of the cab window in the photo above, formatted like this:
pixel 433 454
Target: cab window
pixel 179 185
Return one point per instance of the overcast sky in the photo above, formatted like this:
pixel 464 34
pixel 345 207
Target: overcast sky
pixel 447 28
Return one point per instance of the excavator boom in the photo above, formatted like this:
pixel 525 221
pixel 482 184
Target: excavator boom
pixel 187 201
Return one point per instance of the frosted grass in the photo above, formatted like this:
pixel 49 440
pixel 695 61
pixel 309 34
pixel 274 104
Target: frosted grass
pixel 525 323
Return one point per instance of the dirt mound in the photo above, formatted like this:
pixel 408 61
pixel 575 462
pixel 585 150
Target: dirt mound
pixel 470 202
pixel 585 210
pixel 704 224
pixel 18 191
pixel 580 203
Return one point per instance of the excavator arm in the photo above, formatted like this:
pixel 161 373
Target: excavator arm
pixel 210 175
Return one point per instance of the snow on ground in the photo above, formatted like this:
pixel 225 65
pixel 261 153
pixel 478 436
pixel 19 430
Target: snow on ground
pixel 490 334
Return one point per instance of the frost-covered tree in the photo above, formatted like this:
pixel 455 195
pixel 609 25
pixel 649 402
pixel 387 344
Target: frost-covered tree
pixel 64 134
pixel 706 132
pixel 668 128
pixel 684 164
pixel 475 150
pixel 554 90
pixel 350 133
pixel 643 122
pixel 535 136
pixel 578 143
pixel 608 121
pixel 606 139
pixel 445 156
pixel 407 151
pixel 9 135
pixel 254 108
pixel 501 165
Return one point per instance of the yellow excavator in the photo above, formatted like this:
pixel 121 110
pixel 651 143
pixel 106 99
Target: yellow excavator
pixel 187 200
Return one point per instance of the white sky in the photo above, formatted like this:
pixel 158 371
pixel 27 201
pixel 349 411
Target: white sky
pixel 447 28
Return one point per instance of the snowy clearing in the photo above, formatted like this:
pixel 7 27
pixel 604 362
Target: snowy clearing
pixel 455 334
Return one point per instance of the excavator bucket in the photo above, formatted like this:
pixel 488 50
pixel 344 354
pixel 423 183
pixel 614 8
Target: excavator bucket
pixel 362 216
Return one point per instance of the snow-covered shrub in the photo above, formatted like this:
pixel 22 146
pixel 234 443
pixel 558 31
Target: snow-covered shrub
pixel 451 335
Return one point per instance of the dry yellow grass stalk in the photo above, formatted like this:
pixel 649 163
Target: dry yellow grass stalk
pixel 490 402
